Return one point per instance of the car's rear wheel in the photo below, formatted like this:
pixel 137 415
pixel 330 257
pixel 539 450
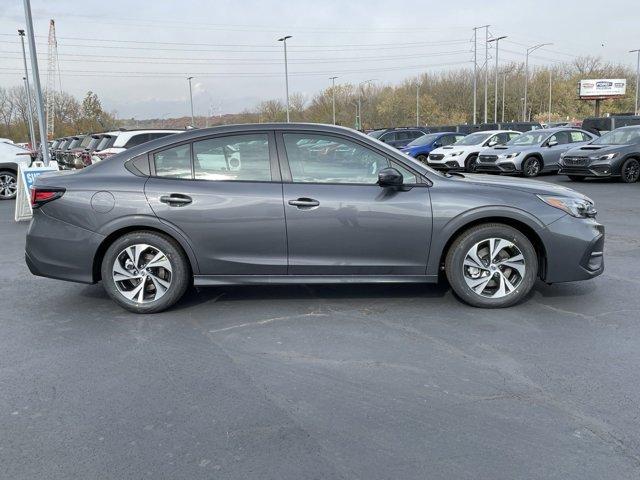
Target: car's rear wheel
pixel 145 272
pixel 531 167
pixel 470 163
pixel 577 178
pixel 422 158
pixel 491 266
pixel 8 185
pixel 630 171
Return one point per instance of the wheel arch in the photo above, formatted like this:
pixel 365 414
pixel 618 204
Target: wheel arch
pixel 10 167
pixel 521 223
pixel 537 155
pixel 124 229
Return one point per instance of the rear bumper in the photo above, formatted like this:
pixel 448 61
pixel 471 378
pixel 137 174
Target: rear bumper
pixel 574 250
pixel 56 249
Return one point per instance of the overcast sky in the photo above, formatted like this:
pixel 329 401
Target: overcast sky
pixel 137 54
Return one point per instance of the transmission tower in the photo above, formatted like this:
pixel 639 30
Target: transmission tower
pixel 52 68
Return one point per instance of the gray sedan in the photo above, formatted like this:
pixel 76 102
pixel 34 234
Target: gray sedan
pixel 296 203
pixel 532 152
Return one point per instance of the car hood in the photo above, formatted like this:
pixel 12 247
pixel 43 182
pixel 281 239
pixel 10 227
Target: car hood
pixel 416 148
pixel 534 187
pixel 590 150
pixel 504 149
pixel 449 149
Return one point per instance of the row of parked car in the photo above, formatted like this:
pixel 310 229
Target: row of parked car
pixel 566 150
pixel 79 151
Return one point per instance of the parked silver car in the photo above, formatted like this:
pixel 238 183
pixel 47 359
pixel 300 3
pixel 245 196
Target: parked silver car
pixel 532 152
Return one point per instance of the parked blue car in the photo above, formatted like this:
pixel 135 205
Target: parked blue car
pixel 420 147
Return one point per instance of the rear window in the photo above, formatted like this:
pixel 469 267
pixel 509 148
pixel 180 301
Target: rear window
pixel 105 142
pixel 73 143
pixel 86 141
pixel 136 140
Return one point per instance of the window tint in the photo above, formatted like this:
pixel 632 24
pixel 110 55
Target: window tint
pixel 328 159
pixel 403 135
pixel 238 157
pixel 561 137
pixel 388 137
pixel 173 162
pixel 136 140
pixel 459 137
pixel 579 137
pixel 448 139
pixel 416 134
pixel 513 135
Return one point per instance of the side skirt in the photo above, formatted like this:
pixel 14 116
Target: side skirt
pixel 211 280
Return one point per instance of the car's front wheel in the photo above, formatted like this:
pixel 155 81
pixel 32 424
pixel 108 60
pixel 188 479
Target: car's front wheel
pixel 531 167
pixel 491 266
pixel 470 163
pixel 145 272
pixel 8 185
pixel 630 171
pixel 422 158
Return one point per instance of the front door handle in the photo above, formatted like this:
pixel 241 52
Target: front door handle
pixel 176 200
pixel 304 202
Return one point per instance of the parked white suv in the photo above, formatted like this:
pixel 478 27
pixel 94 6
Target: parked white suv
pixel 463 154
pixel 121 140
pixel 11 155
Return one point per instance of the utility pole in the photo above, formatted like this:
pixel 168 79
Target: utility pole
pixel 486 70
pixel 286 70
pixel 191 101
pixel 495 101
pixel 42 122
pixel 417 104
pixel 637 110
pixel 333 97
pixel 504 88
pixel 526 75
pixel 32 131
pixel 550 75
pixel 360 101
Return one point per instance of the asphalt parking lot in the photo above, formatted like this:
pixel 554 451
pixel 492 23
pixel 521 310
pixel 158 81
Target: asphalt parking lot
pixel 323 382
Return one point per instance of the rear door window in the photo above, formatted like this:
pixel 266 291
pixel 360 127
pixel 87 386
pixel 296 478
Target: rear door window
pixel 174 162
pixel 236 157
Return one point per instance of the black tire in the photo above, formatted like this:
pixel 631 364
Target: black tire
pixel 422 158
pixel 531 167
pixel 454 265
pixel 470 163
pixel 630 171
pixel 180 272
pixel 8 177
pixel 577 178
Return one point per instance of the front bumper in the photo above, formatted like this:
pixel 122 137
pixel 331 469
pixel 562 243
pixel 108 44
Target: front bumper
pixel 494 167
pixel 574 250
pixel 450 165
pixel 594 170
pixel 57 249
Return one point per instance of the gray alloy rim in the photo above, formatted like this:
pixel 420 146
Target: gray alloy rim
pixel 632 171
pixel 8 186
pixel 533 167
pixel 494 268
pixel 142 273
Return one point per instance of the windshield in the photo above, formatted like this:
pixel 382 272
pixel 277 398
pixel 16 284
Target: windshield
pixel 424 140
pixel 529 138
pixel 473 139
pixel 376 134
pixel 621 136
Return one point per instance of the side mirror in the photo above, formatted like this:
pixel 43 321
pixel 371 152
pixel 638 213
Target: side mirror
pixel 437 145
pixel 552 143
pixel 492 143
pixel 390 177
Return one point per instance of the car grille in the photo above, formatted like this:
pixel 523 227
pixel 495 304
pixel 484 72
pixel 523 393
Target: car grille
pixel 436 156
pixel 575 161
pixel 488 158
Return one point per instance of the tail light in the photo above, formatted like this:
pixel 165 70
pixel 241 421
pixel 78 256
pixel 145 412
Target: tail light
pixel 40 196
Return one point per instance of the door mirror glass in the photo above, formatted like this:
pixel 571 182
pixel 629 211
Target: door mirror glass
pixel 389 177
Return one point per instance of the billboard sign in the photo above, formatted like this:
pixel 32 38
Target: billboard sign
pixel 602 88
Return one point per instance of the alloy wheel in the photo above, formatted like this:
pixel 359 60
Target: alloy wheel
pixel 8 186
pixel 142 273
pixel 494 268
pixel 631 171
pixel 532 168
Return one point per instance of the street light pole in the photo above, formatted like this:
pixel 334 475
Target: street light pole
pixel 360 101
pixel 486 70
pixel 333 97
pixel 526 75
pixel 550 75
pixel 637 110
pixel 504 87
pixel 191 101
pixel 32 131
pixel 495 102
pixel 417 104
pixel 42 122
pixel 286 70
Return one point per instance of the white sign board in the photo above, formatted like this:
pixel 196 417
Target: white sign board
pixel 603 87
pixel 26 179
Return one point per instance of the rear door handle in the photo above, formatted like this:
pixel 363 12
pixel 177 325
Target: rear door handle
pixel 176 200
pixel 304 202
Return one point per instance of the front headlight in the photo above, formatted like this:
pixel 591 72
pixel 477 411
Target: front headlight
pixel 576 207
pixel 512 155
pixel 454 154
pixel 608 156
